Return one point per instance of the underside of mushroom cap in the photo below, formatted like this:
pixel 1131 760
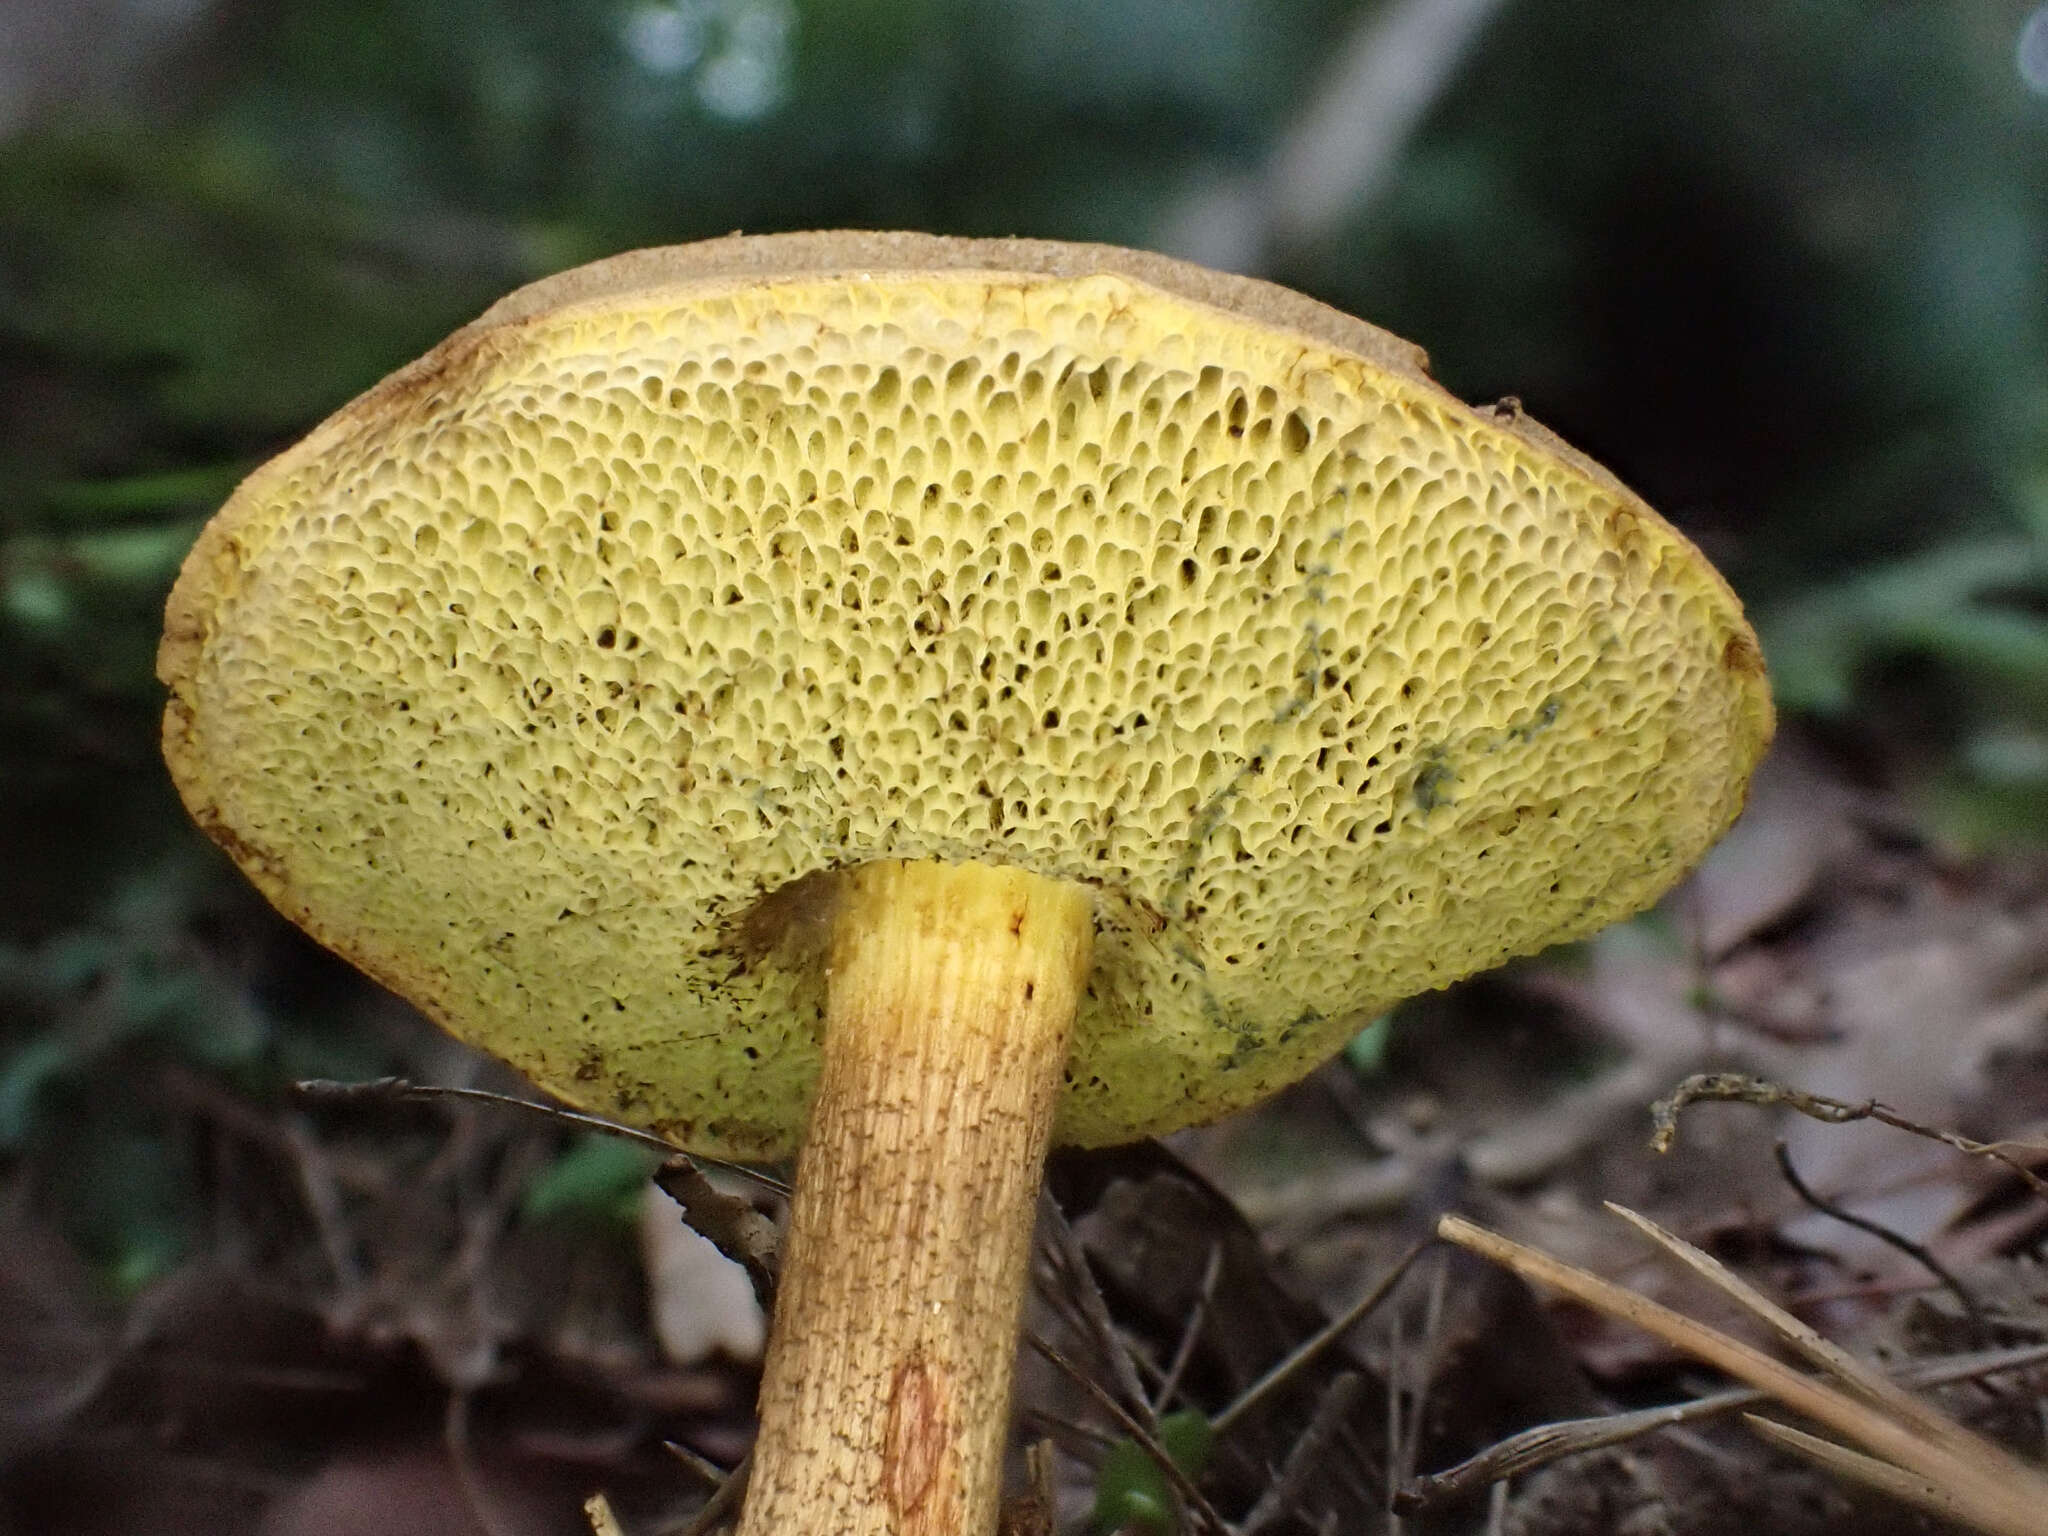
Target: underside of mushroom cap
pixel 550 680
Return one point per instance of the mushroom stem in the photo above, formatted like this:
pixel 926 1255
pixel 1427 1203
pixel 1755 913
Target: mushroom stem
pixel 884 1404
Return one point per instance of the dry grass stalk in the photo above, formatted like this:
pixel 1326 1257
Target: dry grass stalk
pixel 1915 1451
pixel 1543 1444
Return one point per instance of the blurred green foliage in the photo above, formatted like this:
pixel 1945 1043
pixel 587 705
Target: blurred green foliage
pixel 1133 1493
pixel 1779 265
pixel 598 1181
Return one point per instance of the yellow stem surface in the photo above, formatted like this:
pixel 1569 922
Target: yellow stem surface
pixel 885 1399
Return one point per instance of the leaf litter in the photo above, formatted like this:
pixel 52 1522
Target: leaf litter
pixel 1255 1330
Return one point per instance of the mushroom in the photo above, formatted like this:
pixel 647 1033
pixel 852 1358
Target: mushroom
pixel 916 698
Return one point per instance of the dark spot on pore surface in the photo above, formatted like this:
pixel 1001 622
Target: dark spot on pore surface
pixel 1432 784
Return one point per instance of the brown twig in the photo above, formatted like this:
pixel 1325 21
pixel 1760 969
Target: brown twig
pixel 1406 1411
pixel 323 1201
pixel 1547 1443
pixel 1871 1386
pixel 1990 1488
pixel 723 1505
pixel 1919 1254
pixel 455 1435
pixel 1907 1487
pixel 1306 1456
pixel 708 1473
pixel 1070 1263
pixel 1740 1088
pixel 1191 1333
pixel 1309 1349
pixel 732 1226
pixel 1085 1441
pixel 398 1090
pixel 1145 1440
pixel 1030 1513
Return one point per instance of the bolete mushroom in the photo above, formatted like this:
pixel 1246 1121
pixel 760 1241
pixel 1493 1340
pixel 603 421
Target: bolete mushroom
pixel 917 697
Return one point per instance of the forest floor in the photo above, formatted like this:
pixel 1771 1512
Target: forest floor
pixel 412 1316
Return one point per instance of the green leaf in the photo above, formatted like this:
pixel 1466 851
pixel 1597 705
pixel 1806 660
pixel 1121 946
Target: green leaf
pixel 1366 1052
pixel 1132 1493
pixel 1188 1440
pixel 1941 602
pixel 597 1181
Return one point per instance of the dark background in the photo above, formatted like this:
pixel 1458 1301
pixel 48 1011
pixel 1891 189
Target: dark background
pixel 1783 266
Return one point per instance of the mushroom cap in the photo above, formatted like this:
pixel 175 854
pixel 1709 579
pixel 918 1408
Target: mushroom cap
pixel 550 680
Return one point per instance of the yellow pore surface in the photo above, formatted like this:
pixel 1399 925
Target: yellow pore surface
pixel 525 678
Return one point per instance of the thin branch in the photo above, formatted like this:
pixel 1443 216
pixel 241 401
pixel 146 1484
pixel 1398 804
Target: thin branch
pixel 732 1226
pixel 1397 1455
pixel 1912 1250
pixel 1855 1467
pixel 1311 1348
pixel 1306 1457
pixel 1410 1371
pixel 1071 1261
pixel 1545 1444
pixel 455 1435
pixel 1740 1088
pixel 398 1090
pixel 1872 1385
pixel 324 1204
pixel 1030 1513
pixel 1995 1491
pixel 1083 1441
pixel 1347 141
pixel 723 1505
pixel 1145 1440
pixel 1192 1332
pixel 707 1472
